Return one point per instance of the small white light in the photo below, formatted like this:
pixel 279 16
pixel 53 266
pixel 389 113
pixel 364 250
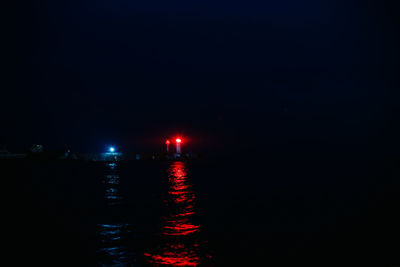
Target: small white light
pixel 112 149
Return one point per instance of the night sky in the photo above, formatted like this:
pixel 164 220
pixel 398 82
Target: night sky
pixel 243 75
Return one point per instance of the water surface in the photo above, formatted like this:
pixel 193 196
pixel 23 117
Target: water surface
pixel 202 213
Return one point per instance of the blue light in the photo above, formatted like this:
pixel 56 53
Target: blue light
pixel 111 149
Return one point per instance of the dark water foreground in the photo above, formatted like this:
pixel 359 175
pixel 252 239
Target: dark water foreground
pixel 202 213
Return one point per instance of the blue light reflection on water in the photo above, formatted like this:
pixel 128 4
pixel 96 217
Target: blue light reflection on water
pixel 112 250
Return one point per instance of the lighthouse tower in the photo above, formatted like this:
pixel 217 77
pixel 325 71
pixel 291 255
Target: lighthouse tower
pixel 178 145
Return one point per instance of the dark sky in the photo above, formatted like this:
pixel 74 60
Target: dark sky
pixel 230 74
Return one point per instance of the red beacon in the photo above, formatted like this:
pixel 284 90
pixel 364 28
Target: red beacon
pixel 167 143
pixel 178 145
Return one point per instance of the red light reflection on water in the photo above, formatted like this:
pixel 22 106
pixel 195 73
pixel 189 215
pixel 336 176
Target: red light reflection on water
pixel 179 191
pixel 180 227
pixel 178 251
pixel 177 257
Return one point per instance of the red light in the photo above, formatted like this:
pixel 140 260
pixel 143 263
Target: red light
pixel 178 140
pixel 167 142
